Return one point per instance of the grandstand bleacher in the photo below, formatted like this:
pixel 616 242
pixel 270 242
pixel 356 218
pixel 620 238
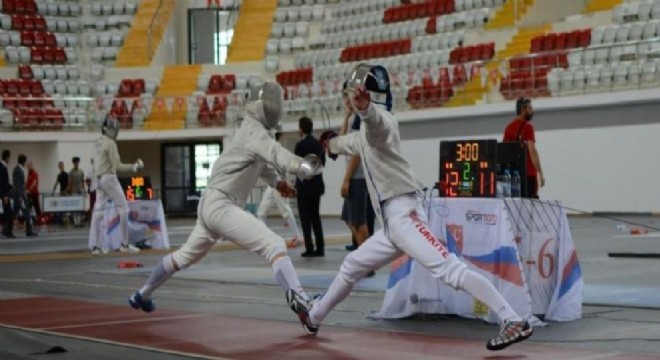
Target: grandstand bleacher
pixel 440 53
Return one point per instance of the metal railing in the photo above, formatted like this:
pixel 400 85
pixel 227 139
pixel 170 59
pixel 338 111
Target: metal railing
pixel 155 21
pixel 27 113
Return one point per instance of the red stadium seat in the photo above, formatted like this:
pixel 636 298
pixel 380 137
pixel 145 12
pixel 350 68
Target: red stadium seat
pixel 549 42
pixel 573 39
pixel 60 55
pixel 29 23
pixel 36 55
pixel 40 23
pixel 138 87
pixel 125 88
pixel 561 41
pixel 585 38
pixel 50 40
pixel 49 55
pixel 537 44
pixel 24 72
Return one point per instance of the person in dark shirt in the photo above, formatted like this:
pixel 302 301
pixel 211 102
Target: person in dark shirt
pixel 62 180
pixel 309 192
pixel 5 192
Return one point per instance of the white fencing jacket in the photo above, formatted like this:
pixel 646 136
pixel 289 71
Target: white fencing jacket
pixel 251 153
pixel 107 159
pixel 387 172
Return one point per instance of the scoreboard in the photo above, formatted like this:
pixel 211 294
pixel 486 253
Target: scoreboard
pixel 471 168
pixel 137 188
pixel 468 168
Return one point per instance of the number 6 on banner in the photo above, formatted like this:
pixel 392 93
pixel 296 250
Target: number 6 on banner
pixel 546 271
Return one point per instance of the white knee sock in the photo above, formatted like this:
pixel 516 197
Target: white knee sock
pixel 337 292
pixel 286 276
pixel 483 290
pixel 291 220
pixel 161 273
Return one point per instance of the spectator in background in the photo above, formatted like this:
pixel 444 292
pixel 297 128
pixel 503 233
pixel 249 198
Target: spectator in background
pixel 76 188
pixel 5 192
pixel 521 130
pixel 92 184
pixel 272 196
pixel 21 202
pixel 62 180
pixel 309 191
pixel 32 188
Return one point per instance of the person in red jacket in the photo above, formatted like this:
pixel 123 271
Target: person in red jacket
pixel 521 130
pixel 32 188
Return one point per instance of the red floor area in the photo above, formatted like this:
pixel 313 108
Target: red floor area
pixel 227 337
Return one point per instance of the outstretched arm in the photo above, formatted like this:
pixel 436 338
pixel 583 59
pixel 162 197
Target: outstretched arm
pixel 113 155
pixel 281 159
pixel 378 122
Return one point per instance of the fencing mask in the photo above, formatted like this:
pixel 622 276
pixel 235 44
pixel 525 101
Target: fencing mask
pixel 270 98
pixel 375 79
pixel 110 128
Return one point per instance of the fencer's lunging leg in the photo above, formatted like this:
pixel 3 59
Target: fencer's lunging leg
pixel 160 274
pixel 408 226
pixel 112 190
pixel 374 253
pixel 286 276
pixel 197 245
pixel 95 229
pixel 230 222
pixel 483 290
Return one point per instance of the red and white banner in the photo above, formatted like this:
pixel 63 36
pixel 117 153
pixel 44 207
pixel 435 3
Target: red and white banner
pixel 537 272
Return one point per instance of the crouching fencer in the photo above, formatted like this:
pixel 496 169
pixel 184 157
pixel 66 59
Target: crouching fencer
pixel 397 200
pixel 251 153
pixel 106 165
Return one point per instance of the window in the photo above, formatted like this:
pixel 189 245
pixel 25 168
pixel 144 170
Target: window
pixel 205 157
pixel 210 32
pixel 221 40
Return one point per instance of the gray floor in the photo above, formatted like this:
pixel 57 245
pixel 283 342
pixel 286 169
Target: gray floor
pixel 621 312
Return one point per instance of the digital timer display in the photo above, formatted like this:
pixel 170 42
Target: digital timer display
pixel 468 168
pixel 137 188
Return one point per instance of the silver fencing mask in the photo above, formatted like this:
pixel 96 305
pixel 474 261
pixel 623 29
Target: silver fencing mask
pixel 375 79
pixel 270 97
pixel 110 128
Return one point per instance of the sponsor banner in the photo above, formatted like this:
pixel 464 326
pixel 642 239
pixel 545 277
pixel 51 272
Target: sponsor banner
pixel 527 269
pixel 64 203
pixel 146 222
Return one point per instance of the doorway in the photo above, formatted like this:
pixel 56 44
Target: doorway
pixel 186 170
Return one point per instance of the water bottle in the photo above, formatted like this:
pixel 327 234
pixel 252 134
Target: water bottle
pixel 507 183
pixel 515 184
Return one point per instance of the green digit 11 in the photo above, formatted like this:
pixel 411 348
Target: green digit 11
pixel 466 172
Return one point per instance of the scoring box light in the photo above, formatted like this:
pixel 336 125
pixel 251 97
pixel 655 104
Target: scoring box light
pixel 137 188
pixel 468 168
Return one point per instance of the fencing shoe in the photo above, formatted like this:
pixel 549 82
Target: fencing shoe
pixel 301 308
pixel 128 248
pixel 137 302
pixel 510 333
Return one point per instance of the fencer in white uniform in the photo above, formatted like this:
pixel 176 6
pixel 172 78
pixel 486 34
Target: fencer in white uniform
pixel 272 197
pixel 106 165
pixel 251 153
pixel 398 203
